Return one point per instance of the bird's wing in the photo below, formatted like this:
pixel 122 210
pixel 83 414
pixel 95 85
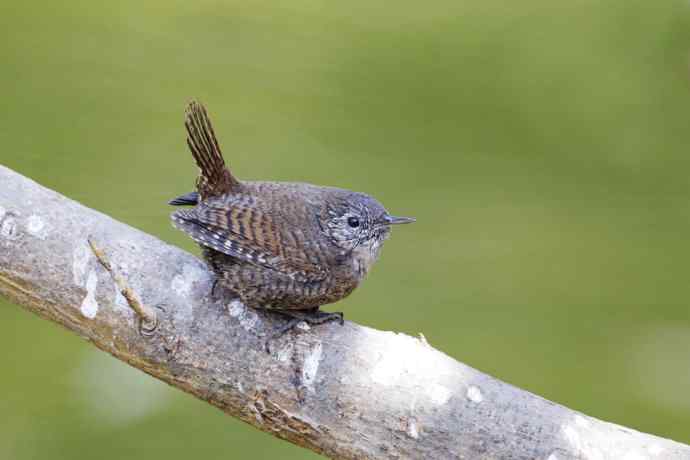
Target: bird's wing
pixel 240 227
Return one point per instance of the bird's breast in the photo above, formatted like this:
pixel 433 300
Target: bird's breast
pixel 362 259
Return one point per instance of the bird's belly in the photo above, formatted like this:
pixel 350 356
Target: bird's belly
pixel 261 287
pixel 265 288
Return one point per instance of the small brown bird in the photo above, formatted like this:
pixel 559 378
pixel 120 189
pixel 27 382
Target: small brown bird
pixel 283 246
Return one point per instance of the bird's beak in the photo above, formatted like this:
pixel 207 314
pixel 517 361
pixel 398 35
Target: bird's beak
pixel 394 220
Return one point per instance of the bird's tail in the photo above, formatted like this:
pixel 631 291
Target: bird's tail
pixel 188 199
pixel 214 177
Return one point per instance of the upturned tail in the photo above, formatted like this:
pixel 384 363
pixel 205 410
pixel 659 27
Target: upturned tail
pixel 214 177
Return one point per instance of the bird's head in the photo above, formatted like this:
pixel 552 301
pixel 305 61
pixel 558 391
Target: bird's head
pixel 358 225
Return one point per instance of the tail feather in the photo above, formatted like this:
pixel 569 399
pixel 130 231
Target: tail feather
pixel 214 177
pixel 189 199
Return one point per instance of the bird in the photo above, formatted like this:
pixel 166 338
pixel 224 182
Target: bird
pixel 287 247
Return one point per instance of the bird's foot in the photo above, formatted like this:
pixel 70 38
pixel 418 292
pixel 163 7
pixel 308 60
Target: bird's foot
pixel 296 317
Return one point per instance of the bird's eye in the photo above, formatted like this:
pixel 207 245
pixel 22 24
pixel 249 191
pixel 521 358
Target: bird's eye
pixel 353 222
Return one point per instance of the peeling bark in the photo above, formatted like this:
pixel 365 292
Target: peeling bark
pixel 348 392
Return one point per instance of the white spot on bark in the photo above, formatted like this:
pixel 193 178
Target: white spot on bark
pixel 180 285
pixel 654 449
pixel 407 363
pixel 311 366
pixel 246 316
pixel 474 394
pixel 593 440
pixel 3 211
pixel 584 447
pixel 571 435
pixel 438 393
pixel 412 430
pixel 388 369
pixel 249 320
pixel 85 277
pixel 236 308
pixel 581 421
pixel 285 353
pixel 80 264
pixel 183 283
pixel 8 229
pixel 120 300
pixel 303 326
pixel 89 306
pixel 634 455
pixel 37 227
pixel 552 457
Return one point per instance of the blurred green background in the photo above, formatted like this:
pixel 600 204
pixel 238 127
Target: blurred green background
pixel 543 147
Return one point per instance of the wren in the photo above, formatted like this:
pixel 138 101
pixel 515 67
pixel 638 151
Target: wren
pixel 283 246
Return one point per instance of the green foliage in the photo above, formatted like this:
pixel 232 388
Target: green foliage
pixel 542 146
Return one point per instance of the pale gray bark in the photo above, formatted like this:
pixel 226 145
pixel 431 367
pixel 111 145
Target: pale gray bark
pixel 347 392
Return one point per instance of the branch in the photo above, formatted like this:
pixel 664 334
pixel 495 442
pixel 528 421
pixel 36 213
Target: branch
pixel 348 392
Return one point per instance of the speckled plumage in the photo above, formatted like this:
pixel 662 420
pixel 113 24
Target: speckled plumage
pixel 278 245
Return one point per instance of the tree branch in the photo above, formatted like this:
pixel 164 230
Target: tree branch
pixel 348 392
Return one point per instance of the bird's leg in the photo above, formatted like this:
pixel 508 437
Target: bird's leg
pixel 213 287
pixel 279 331
pixel 313 317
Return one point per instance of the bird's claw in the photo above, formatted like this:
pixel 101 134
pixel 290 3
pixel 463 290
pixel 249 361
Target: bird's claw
pixel 312 317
